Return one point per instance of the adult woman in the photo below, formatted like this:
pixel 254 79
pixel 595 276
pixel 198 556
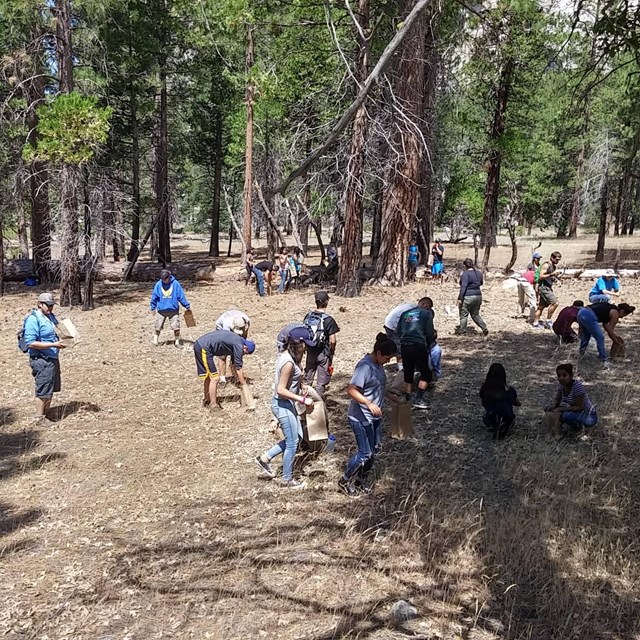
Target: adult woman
pixel 470 297
pixel 602 313
pixel 605 287
pixel 498 400
pixel 571 405
pixel 283 263
pixel 366 390
pixel 288 390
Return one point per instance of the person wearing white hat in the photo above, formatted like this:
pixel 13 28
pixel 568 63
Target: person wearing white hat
pixel 606 286
pixel 43 343
pixel 239 323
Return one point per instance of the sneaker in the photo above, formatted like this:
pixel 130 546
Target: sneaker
pixel 364 486
pixel 485 332
pixel 536 326
pixel 265 466
pixel 177 342
pixel 42 421
pixel 420 403
pixel 459 332
pixel 155 341
pixel 293 484
pixel 548 324
pixel 346 486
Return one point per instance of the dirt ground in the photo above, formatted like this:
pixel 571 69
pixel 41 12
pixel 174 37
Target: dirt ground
pixel 137 515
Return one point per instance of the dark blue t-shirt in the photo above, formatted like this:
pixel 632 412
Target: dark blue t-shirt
pixel 503 406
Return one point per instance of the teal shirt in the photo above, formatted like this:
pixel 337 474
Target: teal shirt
pixel 41 328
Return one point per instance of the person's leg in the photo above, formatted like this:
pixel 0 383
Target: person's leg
pixel 364 435
pixel 283 280
pixel 530 293
pixel 409 366
pixel 290 425
pixel 521 297
pixel 175 325
pixel 585 329
pixel 590 326
pixel 464 314
pixel 551 309
pixel 322 372
pixel 311 364
pixel 474 310
pixel 44 373
pixel 259 281
pixel 158 325
pixel 602 297
pixel 598 334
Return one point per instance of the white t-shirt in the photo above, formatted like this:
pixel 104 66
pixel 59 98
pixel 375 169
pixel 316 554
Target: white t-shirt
pixel 391 321
pixel 225 321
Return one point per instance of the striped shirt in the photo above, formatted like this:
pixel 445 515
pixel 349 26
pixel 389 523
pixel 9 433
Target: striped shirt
pixel 570 398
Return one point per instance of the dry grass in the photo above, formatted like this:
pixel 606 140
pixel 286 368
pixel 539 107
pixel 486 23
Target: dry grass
pixel 138 516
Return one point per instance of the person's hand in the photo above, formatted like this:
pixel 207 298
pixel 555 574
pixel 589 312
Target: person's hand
pixel 374 409
pixel 459 303
pixel 152 310
pixel 59 345
pixel 308 402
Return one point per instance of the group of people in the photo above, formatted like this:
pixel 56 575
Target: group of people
pixel 287 265
pixel 435 261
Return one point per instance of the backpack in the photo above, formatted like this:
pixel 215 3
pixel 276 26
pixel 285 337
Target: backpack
pixel 22 344
pixel 314 321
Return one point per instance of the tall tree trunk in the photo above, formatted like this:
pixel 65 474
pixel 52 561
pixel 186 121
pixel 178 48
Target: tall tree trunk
pixel 248 163
pixel 376 225
pixel 636 210
pixel 162 171
pixel 616 223
pixel 1 250
pixel 401 196
pixel 135 171
pixel 21 220
pixel 576 201
pixel 89 258
pixel 604 210
pixel 214 242
pixel 626 202
pixel 271 172
pixel 494 162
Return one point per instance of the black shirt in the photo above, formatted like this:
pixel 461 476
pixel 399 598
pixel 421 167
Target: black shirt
pixel 330 328
pixel 416 327
pixel 603 311
pixel 265 265
pixel 223 343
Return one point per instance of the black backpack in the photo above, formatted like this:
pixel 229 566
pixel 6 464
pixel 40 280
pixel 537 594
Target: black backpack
pixel 314 321
pixel 22 344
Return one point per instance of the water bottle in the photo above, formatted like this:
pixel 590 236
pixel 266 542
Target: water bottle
pixel 331 444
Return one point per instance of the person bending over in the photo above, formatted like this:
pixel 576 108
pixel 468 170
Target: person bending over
pixel 562 327
pixel 498 400
pixel 602 313
pixel 236 321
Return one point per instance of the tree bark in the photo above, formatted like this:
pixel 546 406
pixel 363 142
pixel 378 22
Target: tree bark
pixel 162 170
pixel 214 242
pixel 135 171
pixel 401 196
pixel 70 293
pixel 1 250
pixel 604 210
pixel 576 201
pixel 348 274
pixel 376 226
pixel 21 220
pixel 248 163
pixel 616 224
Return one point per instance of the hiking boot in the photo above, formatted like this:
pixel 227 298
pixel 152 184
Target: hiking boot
pixel 419 403
pixel 485 332
pixel 265 466
pixel 346 486
pixel 293 484
pixel 536 326
pixel 364 485
pixel 459 332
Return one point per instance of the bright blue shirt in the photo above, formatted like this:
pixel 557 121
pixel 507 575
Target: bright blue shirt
pixel 168 297
pixel 603 285
pixel 41 328
pixel 413 254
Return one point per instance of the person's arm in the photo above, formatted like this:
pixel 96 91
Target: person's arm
pixel 428 327
pixel 545 276
pixel 556 401
pixel 32 334
pixel 182 298
pixel 464 283
pixel 515 400
pixel 155 296
pixel 332 343
pixel 356 395
pixel 283 385
pixel 577 406
pixel 609 326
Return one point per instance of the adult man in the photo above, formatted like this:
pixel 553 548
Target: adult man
pixel 562 326
pixel 437 252
pixel 264 270
pixel 320 358
pixel 547 275
pixel 605 287
pixel 41 338
pixel 166 298
pixel 236 321
pixel 415 330
pixel 219 343
pixel 527 298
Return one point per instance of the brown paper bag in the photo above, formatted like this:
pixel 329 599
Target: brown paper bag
pixel 189 318
pixel 397 385
pixel 246 397
pixel 401 425
pixel 317 420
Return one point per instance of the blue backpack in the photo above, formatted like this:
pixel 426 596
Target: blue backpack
pixel 22 344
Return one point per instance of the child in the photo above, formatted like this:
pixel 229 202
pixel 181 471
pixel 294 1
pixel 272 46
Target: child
pixel 435 358
pixel 366 390
pixel 413 261
pixel 498 400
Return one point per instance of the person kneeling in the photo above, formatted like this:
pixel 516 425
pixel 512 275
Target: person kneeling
pixel 498 400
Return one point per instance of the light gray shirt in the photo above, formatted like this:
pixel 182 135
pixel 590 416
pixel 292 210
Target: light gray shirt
pixel 296 377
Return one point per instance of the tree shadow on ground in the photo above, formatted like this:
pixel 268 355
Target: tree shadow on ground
pixel 7 416
pixel 629 258
pixel 61 411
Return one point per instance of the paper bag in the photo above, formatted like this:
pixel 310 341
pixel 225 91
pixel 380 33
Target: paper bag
pixel 246 397
pixel 67 331
pixel 401 425
pixel 189 318
pixel 316 420
pixel 397 386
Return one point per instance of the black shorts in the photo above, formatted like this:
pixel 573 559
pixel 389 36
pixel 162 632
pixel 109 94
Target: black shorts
pixel 415 357
pixel 205 362
pixel 46 372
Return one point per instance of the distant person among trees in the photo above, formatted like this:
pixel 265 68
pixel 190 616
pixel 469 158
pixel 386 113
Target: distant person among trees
pixel 283 264
pixel 218 344
pixel 263 271
pixel 571 405
pixel 249 264
pixel 166 298
pixel 498 400
pixel 288 390
pixel 606 287
pixel 416 334
pixel 239 323
pixel 319 363
pixel 547 276
pixel 391 326
pixel 470 298
pixel 527 299
pixel 437 253
pixel 332 253
pixel 606 314
pixel 413 261
pixel 44 346
pixel 562 327
pixel 366 390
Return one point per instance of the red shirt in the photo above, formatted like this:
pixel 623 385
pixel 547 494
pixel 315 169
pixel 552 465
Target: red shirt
pixel 529 276
pixel 562 325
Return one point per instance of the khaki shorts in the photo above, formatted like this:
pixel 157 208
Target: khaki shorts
pixel 547 297
pixel 172 316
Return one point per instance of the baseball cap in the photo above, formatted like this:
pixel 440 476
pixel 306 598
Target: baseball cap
pixel 165 273
pixel 322 296
pixel 46 298
pixel 302 334
pixel 610 273
pixel 238 324
pixel 250 344
pixel 536 255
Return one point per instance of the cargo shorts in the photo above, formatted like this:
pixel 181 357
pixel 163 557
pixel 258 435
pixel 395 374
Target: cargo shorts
pixel 172 316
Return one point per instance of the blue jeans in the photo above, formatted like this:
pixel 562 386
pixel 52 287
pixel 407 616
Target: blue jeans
pixel 287 416
pixel 368 437
pixel 284 277
pixel 259 280
pixel 599 297
pixel 590 326
pixel 576 419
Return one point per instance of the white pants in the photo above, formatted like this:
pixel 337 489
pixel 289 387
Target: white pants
pixel 527 299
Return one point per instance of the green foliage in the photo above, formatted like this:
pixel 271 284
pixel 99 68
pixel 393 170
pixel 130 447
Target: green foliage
pixel 71 128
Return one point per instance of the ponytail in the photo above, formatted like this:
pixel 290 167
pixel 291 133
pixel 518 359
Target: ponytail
pixel 384 345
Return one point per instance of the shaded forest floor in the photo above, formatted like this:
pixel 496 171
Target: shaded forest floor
pixel 138 516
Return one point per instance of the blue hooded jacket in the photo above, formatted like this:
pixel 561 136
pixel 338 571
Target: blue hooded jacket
pixel 168 299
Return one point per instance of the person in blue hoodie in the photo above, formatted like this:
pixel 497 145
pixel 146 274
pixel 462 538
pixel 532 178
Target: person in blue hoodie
pixel 166 299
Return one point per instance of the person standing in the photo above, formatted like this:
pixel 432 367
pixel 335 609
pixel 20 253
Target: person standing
pixel 437 253
pixel 601 313
pixel 415 330
pixel 562 327
pixel 413 261
pixel 217 344
pixel 366 390
pixel 288 390
pixel 606 287
pixel 283 264
pixel 548 275
pixel 264 270
pixel 470 298
pixel 44 346
pixel 249 262
pixel 320 356
pixel 166 298
pixel 527 299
